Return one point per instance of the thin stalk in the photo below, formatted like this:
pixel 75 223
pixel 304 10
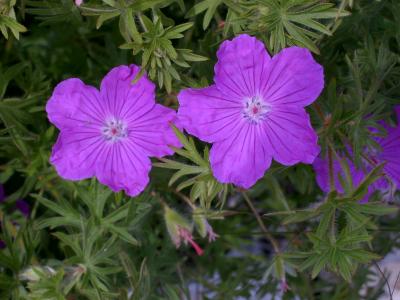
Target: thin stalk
pixel 184 198
pixel 319 111
pixel 261 223
pixel 139 16
pixel 385 279
pixel 331 171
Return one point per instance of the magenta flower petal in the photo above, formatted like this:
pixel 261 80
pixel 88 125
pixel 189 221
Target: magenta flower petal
pixel 208 114
pixel 2 193
pixel 391 154
pixel 242 67
pixel 250 114
pixel 23 207
pixel 75 154
pixel 152 131
pixel 241 159
pixel 110 134
pixel 123 167
pixel 397 109
pixel 116 88
pixel 321 168
pixel 149 122
pixel 73 101
pixel 290 135
pixel 294 78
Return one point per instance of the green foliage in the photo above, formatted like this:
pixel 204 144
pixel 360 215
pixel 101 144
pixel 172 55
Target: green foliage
pixel 204 187
pixel 8 19
pixel 53 11
pixel 293 22
pixel 92 240
pixel 149 37
pixel 235 8
pixel 82 241
pixel 159 55
pixel 337 243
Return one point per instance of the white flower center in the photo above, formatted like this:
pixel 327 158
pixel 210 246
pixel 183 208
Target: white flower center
pixel 255 109
pixel 114 130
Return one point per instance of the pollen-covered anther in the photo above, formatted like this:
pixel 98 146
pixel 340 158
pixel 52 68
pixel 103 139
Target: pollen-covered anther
pixel 114 130
pixel 255 109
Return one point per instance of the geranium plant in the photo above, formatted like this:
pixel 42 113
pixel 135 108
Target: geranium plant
pixel 202 149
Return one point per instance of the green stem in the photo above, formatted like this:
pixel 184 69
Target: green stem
pixel 139 16
pixel 261 223
pixel 331 175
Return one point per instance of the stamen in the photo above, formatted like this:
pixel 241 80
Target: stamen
pixel 187 238
pixel 114 130
pixel 212 236
pixel 255 109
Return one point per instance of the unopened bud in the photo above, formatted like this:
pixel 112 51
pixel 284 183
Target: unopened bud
pixel 203 227
pixel 179 229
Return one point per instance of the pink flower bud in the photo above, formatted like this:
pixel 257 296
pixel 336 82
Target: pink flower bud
pixel 180 230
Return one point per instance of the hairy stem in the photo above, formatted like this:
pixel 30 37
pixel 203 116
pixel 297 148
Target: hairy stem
pixel 331 172
pixel 261 223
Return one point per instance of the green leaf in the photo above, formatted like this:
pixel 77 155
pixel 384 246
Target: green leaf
pixel 292 22
pixel 210 12
pixel 328 217
pixel 362 188
pixel 7 22
pixel 118 214
pixel 106 16
pixel 123 234
pixel 319 265
pixel 361 256
pixel 300 216
pixel 175 32
pixel 189 56
pixel 344 267
pixel 378 209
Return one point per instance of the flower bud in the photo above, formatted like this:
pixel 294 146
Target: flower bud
pixel 203 227
pixel 180 230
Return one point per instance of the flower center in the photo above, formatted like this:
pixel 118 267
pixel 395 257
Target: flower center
pixel 114 130
pixel 255 109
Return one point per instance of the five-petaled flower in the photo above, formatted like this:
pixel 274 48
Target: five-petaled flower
pixel 389 153
pixel 110 133
pixel 255 110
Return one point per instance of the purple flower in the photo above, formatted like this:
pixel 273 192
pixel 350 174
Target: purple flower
pixel 110 133
pixel 2 193
pixel 255 110
pixel 389 154
pixel 23 207
pixel 20 204
pixel 321 168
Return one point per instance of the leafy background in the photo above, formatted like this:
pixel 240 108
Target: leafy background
pixel 83 242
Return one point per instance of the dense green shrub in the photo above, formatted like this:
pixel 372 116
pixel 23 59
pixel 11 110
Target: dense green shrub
pixel 284 237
